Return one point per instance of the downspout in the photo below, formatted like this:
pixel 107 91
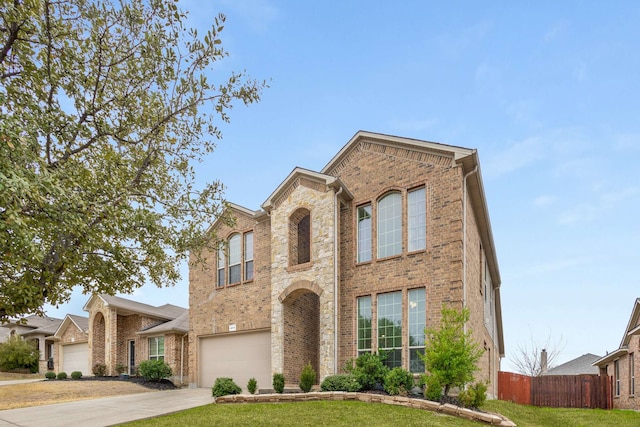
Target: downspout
pixel 464 239
pixel 336 235
pixel 182 359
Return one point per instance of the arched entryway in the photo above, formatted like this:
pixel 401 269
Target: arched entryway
pixel 301 313
pixel 98 340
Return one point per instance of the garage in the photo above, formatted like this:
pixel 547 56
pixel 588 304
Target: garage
pixel 75 357
pixel 239 356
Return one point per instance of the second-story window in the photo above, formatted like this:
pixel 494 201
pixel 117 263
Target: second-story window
pixel 248 256
pixel 417 219
pixel 234 259
pixel 364 233
pixel 221 265
pixel 390 225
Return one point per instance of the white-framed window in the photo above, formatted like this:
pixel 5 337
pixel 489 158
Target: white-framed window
pixel 248 256
pixel 235 254
pixel 616 377
pixel 417 314
pixel 389 225
pixel 364 233
pixel 364 325
pixel 417 219
pixel 156 348
pixel 390 328
pixel 221 265
pixel 632 375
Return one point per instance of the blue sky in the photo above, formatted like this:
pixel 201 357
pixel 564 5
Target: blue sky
pixel 548 92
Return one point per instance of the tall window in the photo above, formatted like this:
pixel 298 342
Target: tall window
pixel 390 327
pixel 417 219
pixel 248 256
pixel 364 233
pixel 632 375
pixel 616 377
pixel 364 325
pixel 300 237
pixel 417 322
pixel 156 348
pixel 390 225
pixel 221 265
pixel 234 259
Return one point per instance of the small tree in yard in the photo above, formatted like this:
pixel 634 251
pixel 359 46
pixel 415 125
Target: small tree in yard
pixel 450 354
pixel 154 370
pixel 16 353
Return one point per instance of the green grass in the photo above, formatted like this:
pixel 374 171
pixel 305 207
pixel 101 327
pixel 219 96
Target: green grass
pixel 332 413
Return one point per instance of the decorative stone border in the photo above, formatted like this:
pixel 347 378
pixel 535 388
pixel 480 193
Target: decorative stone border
pixel 446 408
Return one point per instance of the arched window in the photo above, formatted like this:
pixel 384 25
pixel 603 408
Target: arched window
pixel 234 259
pixel 390 225
pixel 300 237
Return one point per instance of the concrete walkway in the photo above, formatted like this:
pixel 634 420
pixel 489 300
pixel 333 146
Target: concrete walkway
pixel 107 411
pixel 10 382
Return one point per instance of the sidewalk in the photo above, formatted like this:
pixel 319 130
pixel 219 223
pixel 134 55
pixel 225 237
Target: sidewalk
pixel 108 410
pixel 10 382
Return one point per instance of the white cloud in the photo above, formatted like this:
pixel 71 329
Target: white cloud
pixel 516 156
pixel 544 200
pixel 555 31
pixel 605 202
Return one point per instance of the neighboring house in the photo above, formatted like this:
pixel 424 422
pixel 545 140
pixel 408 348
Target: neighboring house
pixel 71 349
pixel 40 330
pixel 124 332
pixel 358 257
pixel 623 363
pixel 579 366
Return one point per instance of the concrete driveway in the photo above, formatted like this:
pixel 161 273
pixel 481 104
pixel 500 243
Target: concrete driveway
pixel 107 411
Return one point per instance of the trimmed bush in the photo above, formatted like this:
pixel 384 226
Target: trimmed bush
pixel 474 396
pixel 50 375
pixel 278 383
pixel 99 370
pixel 76 375
pixel 16 353
pixel 432 387
pixel 120 368
pixel 62 375
pixel 154 370
pixel 224 386
pixel 307 378
pixel 252 385
pixel 398 381
pixel 340 383
pixel 368 370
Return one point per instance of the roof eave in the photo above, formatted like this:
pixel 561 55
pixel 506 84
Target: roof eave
pixel 611 357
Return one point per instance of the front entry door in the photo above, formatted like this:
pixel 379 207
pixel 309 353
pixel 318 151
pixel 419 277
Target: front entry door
pixel 132 357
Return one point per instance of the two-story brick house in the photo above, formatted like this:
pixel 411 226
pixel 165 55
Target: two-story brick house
pixel 357 257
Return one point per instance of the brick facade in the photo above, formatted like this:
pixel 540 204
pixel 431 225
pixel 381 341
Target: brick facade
pixel 298 300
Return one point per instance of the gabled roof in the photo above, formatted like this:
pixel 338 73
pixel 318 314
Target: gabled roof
pixel 578 366
pixel 234 207
pixel 633 328
pixel 127 307
pixel 178 325
pixel 321 178
pixel 80 322
pixel 42 325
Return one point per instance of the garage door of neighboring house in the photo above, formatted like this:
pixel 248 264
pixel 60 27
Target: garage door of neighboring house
pixel 239 356
pixel 75 357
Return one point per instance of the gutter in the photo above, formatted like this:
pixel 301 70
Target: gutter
pixel 336 235
pixel 464 239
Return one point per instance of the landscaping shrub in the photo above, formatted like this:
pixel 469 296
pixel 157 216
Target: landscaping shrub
pixel 99 369
pixel 340 383
pixel 432 387
pixel 76 375
pixel 120 368
pixel 252 385
pixel 278 383
pixel 16 353
pixel 62 375
pixel 50 375
pixel 307 378
pixel 368 370
pixel 154 370
pixel 224 386
pixel 398 381
pixel 474 396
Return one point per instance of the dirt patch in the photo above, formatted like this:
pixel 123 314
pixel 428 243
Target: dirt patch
pixel 47 392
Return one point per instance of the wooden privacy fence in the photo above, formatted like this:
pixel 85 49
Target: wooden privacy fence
pixel 558 391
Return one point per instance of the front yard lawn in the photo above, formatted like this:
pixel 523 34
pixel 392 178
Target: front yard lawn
pixel 335 413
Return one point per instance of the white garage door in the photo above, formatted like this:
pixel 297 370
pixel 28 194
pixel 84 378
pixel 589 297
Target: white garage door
pixel 75 357
pixel 238 356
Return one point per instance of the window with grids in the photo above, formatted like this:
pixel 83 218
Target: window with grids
pixel 234 259
pixel 616 377
pixel 417 219
pixel 632 375
pixel 156 348
pixel 364 233
pixel 248 256
pixel 390 225
pixel 221 265
pixel 364 325
pixel 390 328
pixel 417 310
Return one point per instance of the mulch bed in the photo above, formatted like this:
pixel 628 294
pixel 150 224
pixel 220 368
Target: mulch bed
pixel 154 385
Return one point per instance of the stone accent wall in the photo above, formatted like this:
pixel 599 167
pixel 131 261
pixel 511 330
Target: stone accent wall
pixel 246 305
pixel 319 271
